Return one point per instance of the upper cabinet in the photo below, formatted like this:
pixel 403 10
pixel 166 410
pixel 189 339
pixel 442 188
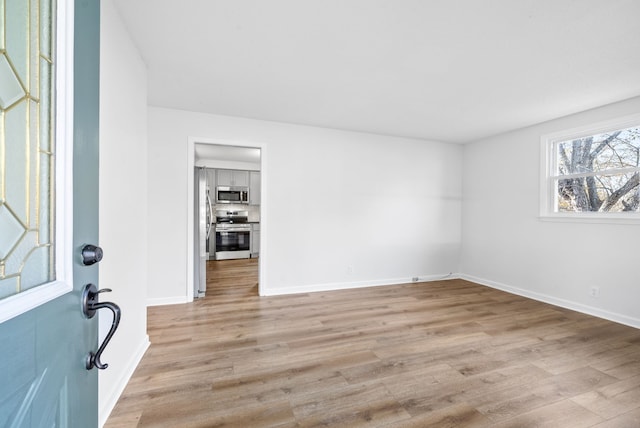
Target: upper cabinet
pixel 254 187
pixel 232 177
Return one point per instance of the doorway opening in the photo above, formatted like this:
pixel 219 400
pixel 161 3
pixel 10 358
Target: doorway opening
pixel 226 210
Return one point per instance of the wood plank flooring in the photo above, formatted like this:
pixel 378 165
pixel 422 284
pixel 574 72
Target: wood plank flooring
pixel 439 354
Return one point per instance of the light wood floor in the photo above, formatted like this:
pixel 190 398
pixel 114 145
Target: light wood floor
pixel 441 354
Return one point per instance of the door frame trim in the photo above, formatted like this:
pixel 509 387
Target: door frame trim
pixel 191 155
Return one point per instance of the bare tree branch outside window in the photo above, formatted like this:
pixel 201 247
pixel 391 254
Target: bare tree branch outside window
pixel 599 173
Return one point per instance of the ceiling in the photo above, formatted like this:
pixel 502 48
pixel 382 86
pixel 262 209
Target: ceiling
pixel 448 70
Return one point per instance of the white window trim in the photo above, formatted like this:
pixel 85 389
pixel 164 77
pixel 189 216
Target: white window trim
pixel 547 190
pixel 25 301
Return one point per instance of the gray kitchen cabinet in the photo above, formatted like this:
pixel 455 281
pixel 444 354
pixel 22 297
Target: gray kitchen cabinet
pixel 255 240
pixel 212 243
pixel 232 177
pixel 254 187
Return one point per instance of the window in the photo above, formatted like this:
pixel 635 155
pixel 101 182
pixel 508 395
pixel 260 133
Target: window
pixel 593 172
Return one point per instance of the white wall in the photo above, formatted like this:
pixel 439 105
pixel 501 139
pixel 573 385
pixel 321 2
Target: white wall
pixel 123 203
pixel 389 207
pixel 505 245
pixel 222 164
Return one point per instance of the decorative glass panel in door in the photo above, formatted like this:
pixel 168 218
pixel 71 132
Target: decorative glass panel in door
pixel 27 153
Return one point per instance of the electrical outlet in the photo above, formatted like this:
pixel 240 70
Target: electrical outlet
pixel 350 269
pixel 594 292
pixel 415 279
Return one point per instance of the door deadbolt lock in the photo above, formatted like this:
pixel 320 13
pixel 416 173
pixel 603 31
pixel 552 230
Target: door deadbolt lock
pixel 91 254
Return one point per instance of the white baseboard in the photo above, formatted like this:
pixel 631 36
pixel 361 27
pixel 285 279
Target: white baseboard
pixel 160 301
pixel 589 310
pixel 356 284
pixel 107 404
pixel 567 304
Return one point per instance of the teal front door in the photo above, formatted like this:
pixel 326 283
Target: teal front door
pixel 43 378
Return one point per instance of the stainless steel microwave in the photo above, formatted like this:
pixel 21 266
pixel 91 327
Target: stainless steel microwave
pixel 232 195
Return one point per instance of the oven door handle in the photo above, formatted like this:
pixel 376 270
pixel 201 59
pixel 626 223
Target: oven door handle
pixel 233 230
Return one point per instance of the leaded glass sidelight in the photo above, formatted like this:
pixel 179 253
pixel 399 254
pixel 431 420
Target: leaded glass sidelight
pixel 27 104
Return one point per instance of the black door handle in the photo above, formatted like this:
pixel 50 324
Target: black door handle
pixel 90 305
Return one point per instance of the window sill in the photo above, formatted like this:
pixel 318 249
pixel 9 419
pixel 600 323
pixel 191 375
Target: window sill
pixel 591 218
